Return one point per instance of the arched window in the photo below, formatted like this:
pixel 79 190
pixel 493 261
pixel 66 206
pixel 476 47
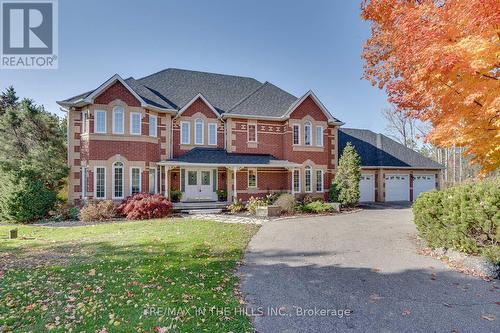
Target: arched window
pixel 118 119
pixel 198 131
pixel 117 180
pixel 307 133
pixel 308 179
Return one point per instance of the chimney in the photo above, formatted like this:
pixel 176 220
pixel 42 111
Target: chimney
pixel 379 141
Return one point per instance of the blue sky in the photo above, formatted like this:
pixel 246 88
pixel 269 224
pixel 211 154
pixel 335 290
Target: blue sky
pixel 297 45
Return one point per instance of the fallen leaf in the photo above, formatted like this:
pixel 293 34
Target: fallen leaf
pixel 406 312
pixel 92 272
pixel 488 316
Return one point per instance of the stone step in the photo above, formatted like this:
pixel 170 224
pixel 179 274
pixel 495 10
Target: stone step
pixel 202 211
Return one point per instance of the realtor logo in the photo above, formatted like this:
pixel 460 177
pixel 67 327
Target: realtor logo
pixel 29 34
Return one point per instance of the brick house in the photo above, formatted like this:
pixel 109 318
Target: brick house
pixel 201 132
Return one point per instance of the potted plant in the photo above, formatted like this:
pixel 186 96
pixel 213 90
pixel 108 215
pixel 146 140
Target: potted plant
pixel 222 194
pixel 175 195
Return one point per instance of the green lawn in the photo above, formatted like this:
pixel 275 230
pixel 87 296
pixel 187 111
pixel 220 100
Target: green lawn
pixel 126 277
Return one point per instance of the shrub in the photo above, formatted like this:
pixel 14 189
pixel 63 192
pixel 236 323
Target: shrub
pixel 236 206
pixel 333 193
pixel 306 198
pixel 316 207
pixel 24 198
pixel 143 206
pixel 270 198
pixel 348 176
pixel 222 194
pixel 286 202
pixel 465 218
pixel 65 212
pixel 95 211
pixel 175 195
pixel 253 203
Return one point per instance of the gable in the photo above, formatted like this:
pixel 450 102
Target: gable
pixel 308 107
pixel 117 91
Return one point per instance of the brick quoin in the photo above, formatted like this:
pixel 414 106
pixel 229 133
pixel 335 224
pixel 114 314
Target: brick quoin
pixel 117 91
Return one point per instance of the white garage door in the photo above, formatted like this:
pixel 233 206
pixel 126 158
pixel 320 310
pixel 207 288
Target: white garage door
pixel 397 187
pixel 423 183
pixel 367 188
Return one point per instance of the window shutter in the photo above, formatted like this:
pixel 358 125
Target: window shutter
pixel 214 179
pixel 183 180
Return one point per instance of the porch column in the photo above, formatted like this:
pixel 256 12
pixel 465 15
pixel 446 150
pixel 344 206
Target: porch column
pixel 235 194
pixel 159 179
pixel 167 191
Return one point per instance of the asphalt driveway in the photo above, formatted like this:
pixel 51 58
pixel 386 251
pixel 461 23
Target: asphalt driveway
pixel 304 275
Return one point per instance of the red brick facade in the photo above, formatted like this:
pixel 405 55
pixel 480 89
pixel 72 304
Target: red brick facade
pixel 117 91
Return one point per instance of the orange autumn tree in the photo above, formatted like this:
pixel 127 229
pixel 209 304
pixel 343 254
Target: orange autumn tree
pixel 439 61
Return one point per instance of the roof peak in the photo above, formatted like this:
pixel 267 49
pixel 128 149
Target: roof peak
pixel 171 69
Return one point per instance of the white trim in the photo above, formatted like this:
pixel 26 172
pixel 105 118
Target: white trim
pixel 214 125
pixel 322 181
pixel 155 127
pixel 196 122
pixel 248 178
pixel 95 181
pixel 306 125
pixel 132 114
pixel 293 181
pixel 113 167
pixel 321 136
pixel 123 119
pixel 293 135
pixel 105 121
pixel 188 132
pixel 83 182
pixel 401 167
pixel 140 179
pixel 308 168
pixel 248 133
pixel 199 95
pixel 284 164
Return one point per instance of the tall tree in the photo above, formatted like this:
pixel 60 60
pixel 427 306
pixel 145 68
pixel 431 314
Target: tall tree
pixel 348 176
pixel 400 127
pixel 8 98
pixel 439 61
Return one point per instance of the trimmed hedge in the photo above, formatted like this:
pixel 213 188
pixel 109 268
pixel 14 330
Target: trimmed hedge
pixel 465 218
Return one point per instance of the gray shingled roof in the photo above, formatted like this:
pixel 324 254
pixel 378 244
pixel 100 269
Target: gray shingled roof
pixel 377 150
pixel 266 100
pixel 173 88
pixel 221 156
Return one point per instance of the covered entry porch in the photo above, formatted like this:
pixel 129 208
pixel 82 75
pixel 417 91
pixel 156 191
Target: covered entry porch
pixel 211 175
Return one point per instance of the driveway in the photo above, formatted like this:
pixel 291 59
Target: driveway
pixel 303 275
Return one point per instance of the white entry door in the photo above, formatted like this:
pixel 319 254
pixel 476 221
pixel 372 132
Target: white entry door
pixel 423 183
pixel 367 188
pixel 199 185
pixel 397 187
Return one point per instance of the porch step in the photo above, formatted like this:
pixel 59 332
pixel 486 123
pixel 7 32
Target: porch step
pixel 202 211
pixel 203 207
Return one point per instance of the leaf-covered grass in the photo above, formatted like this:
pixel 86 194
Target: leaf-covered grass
pixel 134 277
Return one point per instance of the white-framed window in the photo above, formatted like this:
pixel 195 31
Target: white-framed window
pixel 135 180
pixel 198 131
pixel 100 121
pixel 307 133
pixel 84 182
pixel 185 132
pixel 152 180
pixel 296 181
pixel 118 119
pixel 252 177
pixel 212 134
pixel 319 181
pixel 84 121
pixel 135 123
pixel 296 134
pixel 118 180
pixel 319 136
pixel 252 133
pixel 100 183
pixel 153 125
pixel 308 179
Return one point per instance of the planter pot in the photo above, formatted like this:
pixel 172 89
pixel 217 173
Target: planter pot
pixel 268 211
pixel 335 205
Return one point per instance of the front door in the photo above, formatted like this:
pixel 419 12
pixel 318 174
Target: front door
pixel 199 185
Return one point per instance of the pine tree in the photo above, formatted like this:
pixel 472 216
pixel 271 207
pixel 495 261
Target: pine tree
pixel 348 176
pixel 8 99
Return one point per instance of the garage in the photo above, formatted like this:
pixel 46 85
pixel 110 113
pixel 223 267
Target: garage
pixel 367 188
pixel 423 183
pixel 397 187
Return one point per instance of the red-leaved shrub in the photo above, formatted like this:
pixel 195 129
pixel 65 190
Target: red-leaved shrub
pixel 144 206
